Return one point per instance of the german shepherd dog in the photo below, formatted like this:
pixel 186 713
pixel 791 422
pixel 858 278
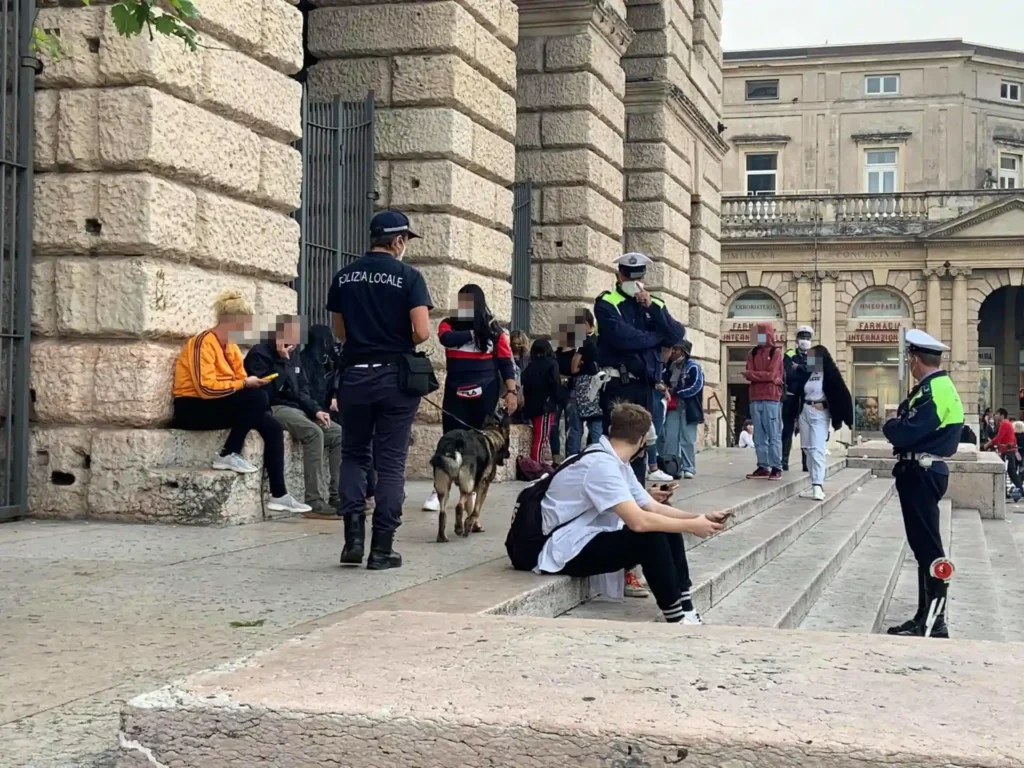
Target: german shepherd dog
pixel 468 458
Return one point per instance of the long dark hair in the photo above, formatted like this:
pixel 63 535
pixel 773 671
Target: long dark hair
pixel 485 329
pixel 541 349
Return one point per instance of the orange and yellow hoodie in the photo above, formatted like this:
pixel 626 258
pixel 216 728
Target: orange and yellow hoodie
pixel 207 370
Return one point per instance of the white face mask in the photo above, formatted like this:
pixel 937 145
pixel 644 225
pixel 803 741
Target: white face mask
pixel 631 287
pixel 803 344
pixel 401 253
pixel 465 313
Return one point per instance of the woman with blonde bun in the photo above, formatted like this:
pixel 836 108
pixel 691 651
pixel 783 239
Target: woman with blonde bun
pixel 212 391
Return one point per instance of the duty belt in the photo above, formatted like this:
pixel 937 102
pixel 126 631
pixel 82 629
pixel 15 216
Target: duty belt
pixel 620 373
pixel 922 459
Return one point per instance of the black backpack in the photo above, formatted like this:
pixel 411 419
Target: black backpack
pixel 526 536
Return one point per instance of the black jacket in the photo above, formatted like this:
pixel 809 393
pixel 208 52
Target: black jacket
pixel 840 402
pixel 542 387
pixel 320 362
pixel 289 388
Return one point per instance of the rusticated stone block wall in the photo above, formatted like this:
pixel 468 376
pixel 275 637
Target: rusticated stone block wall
pixel 443 74
pixel 162 178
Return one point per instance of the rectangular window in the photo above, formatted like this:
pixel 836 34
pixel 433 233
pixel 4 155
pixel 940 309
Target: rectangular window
pixel 762 90
pixel 1009 171
pixel 880 171
pixel 1009 91
pixel 762 173
pixel 882 85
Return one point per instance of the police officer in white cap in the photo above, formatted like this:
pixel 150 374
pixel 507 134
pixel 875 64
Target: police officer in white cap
pixel 926 429
pixel 795 367
pixel 632 328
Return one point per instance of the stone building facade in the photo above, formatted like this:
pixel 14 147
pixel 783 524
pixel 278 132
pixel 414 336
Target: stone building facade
pixel 878 188
pixel 164 177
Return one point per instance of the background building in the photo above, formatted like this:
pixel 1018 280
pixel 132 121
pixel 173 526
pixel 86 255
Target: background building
pixel 873 187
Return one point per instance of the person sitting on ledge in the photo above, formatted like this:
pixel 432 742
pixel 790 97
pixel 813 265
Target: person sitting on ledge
pixel 213 391
pixel 600 519
pixel 295 409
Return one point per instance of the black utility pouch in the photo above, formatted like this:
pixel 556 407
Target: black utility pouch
pixel 416 375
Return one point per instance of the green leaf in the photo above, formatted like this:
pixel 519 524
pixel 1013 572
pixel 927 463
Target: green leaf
pixel 166 25
pixel 244 624
pixel 185 8
pixel 125 20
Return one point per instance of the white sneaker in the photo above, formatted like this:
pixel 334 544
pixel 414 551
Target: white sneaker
pixel 288 503
pixel 432 504
pixel 815 492
pixel 657 476
pixel 234 463
pixel 692 618
pixel 687 475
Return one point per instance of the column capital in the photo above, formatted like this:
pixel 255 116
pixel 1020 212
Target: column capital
pixel 960 273
pixel 934 273
pixel 551 18
pixel 831 275
pixel 804 275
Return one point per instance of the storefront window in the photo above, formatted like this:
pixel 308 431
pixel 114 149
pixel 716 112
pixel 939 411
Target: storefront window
pixel 875 388
pixel 754 305
pixel 879 302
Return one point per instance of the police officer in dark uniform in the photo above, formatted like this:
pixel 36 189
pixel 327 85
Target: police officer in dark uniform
pixel 632 328
pixel 380 312
pixel 926 429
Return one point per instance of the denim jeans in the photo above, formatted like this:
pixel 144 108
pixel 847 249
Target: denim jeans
pixel 679 441
pixel 658 417
pixel 574 430
pixel 767 418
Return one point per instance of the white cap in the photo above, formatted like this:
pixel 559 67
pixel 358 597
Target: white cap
pixel 925 342
pixel 805 329
pixel 633 263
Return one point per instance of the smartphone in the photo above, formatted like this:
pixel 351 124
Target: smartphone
pixel 271 377
pixel 725 517
pixel 668 486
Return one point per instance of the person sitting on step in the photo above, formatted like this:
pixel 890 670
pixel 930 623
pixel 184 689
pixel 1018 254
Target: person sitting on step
pixel 213 391
pixel 600 519
pixel 302 417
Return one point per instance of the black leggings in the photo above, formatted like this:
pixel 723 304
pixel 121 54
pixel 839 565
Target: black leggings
pixel 473 411
pixel 241 412
pixel 661 555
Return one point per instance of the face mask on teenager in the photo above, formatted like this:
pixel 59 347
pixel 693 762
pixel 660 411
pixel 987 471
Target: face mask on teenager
pixel 465 313
pixel 631 287
pixel 803 344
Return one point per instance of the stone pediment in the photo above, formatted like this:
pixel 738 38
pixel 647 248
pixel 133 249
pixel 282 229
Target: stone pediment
pixel 1002 219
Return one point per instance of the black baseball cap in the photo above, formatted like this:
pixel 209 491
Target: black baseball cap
pixel 391 223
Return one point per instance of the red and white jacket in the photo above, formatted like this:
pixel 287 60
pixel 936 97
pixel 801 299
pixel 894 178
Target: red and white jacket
pixel 466 363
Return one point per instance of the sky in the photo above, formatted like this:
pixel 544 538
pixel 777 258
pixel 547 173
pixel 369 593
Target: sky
pixel 787 23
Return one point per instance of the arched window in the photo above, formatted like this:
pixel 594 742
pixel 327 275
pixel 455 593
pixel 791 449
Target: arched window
pixel 754 305
pixel 879 303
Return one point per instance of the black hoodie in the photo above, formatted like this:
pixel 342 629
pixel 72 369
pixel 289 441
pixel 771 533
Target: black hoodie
pixel 289 388
pixel 320 357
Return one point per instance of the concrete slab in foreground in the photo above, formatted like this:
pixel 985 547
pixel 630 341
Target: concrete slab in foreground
pixel 407 690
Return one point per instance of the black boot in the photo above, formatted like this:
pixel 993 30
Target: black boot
pixel 382 556
pixel 915 626
pixel 355 540
pixel 935 590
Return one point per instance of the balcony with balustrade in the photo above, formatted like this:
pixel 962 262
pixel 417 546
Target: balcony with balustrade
pixel 849 215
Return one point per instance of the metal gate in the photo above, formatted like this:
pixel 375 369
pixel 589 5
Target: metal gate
pixel 522 255
pixel 337 148
pixel 17 82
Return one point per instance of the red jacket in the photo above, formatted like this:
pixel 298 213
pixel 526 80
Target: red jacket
pixel 1005 440
pixel 764 367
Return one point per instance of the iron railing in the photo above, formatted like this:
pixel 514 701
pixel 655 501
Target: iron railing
pixel 522 255
pixel 17 84
pixel 338 193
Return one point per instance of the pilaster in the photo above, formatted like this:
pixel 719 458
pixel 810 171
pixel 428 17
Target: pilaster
pixel 571 123
pixel 933 311
pixel 827 334
pixel 804 295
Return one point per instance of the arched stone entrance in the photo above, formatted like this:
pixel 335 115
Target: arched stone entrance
pixel 1000 330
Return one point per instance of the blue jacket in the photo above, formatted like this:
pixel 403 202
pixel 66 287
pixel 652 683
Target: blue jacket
pixel 689 391
pixel 630 335
pixel 930 420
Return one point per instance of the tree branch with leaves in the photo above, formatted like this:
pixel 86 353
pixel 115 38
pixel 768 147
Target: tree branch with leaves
pixel 136 17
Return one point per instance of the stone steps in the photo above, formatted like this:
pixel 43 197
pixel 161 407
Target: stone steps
pixel 479 690
pixel 724 562
pixel 782 592
pixel 974 612
pixel 1005 557
pixel 857 599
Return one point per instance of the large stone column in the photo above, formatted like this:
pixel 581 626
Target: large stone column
pixel 827 334
pixel 443 76
pixel 569 145
pixel 958 347
pixel 162 178
pixel 962 368
pixel 674 160
pixel 804 298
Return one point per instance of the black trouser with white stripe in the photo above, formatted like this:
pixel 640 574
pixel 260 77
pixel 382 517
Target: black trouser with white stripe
pixel 661 555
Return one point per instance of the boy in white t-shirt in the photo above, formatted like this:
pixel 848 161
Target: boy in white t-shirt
pixel 601 520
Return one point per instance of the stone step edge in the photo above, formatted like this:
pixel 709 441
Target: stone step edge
pixel 876 492
pixel 710 591
pixel 892 508
pixel 1007 567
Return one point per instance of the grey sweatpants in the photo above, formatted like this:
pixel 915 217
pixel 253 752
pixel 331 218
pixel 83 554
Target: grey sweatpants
pixel 314 439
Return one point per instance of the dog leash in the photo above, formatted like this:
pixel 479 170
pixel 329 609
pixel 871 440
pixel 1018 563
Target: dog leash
pixel 452 415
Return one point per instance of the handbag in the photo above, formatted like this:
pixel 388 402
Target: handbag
pixel 416 375
pixel 586 406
